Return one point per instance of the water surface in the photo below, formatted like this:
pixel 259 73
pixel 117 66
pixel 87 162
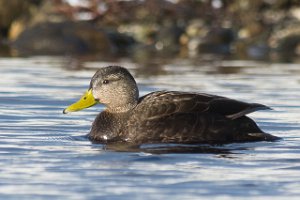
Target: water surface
pixel 45 154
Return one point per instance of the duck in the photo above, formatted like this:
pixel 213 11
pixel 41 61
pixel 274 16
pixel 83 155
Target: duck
pixel 165 116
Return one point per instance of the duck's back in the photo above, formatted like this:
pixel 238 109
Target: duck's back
pixel 169 116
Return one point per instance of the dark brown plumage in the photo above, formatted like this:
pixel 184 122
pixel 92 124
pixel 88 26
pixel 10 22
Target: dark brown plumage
pixel 168 116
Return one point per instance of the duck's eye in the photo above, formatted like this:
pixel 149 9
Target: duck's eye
pixel 105 82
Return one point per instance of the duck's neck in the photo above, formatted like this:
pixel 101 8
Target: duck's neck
pixel 127 102
pixel 121 109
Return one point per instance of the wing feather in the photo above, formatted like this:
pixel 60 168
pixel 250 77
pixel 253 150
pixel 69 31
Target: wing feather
pixel 163 103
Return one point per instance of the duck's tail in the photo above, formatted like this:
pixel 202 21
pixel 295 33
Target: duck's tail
pixel 262 137
pixel 252 132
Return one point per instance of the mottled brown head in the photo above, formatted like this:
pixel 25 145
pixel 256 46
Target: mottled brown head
pixel 115 87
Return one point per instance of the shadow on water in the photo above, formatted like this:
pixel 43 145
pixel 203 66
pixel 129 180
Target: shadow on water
pixel 163 148
pixel 170 148
pixel 222 150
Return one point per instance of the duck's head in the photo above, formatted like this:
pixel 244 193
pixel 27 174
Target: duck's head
pixel 112 86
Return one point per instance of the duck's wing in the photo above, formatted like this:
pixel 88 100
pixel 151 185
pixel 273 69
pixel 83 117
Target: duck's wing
pixel 159 104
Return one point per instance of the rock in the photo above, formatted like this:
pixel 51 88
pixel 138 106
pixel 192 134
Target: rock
pixel 218 41
pixel 285 41
pixel 121 43
pixel 63 38
pixel 168 38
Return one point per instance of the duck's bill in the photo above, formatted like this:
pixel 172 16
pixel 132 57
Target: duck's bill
pixel 87 100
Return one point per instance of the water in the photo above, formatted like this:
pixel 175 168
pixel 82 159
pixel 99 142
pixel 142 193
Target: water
pixel 45 155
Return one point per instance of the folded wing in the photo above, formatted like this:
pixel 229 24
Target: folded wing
pixel 163 103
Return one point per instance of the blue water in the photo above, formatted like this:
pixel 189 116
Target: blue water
pixel 45 154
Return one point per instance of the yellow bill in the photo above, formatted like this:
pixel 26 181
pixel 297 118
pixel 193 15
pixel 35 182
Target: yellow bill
pixel 87 100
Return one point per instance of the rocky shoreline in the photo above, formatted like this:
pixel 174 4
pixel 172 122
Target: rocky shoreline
pixel 248 29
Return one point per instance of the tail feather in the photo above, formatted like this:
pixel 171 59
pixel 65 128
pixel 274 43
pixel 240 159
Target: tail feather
pixel 263 137
pixel 251 132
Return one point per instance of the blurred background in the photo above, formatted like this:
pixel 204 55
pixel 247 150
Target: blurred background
pixel 266 30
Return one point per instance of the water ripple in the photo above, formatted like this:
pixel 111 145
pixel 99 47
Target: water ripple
pixel 45 154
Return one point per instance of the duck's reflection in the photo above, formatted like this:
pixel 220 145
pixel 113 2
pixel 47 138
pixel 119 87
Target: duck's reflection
pixel 171 148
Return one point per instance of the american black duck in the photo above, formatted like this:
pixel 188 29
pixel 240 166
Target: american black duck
pixel 165 116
